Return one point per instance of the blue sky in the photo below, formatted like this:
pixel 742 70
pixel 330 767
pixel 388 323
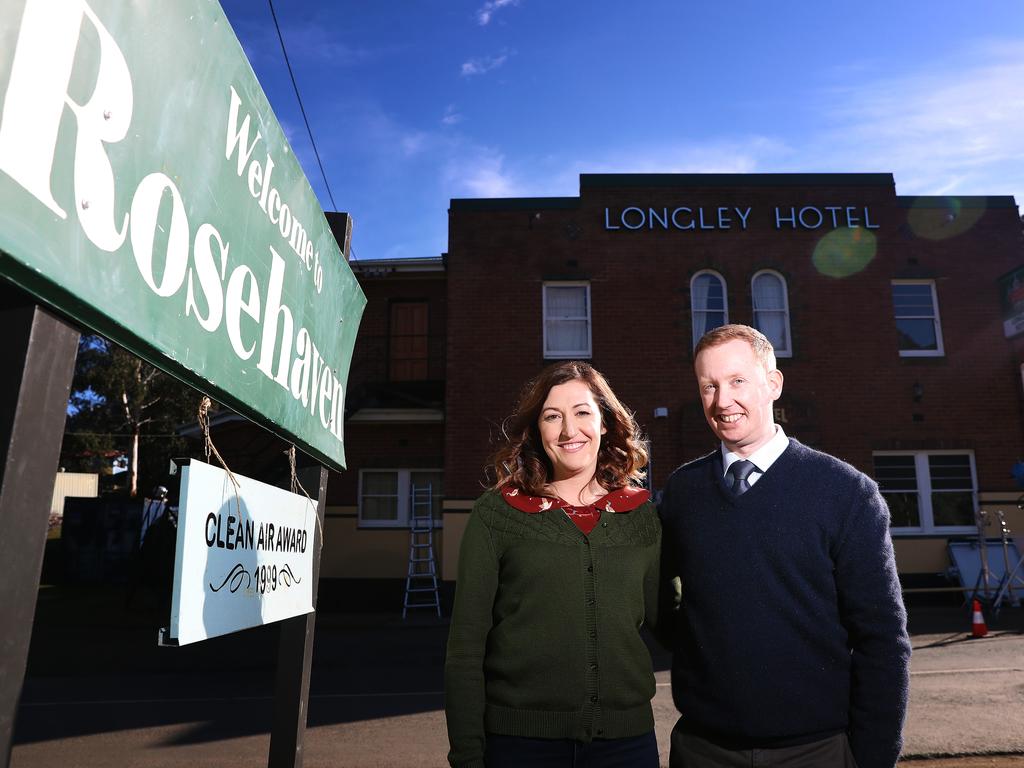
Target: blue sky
pixel 415 102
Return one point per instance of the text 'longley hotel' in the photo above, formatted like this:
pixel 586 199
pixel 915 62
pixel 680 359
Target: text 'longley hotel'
pixel 898 323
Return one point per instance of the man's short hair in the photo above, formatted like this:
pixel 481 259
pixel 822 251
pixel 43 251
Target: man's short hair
pixel 763 349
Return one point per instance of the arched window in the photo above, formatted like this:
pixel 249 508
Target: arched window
pixel 708 303
pixel 771 310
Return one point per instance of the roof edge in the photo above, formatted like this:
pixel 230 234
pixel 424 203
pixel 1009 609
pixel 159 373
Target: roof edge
pixel 962 201
pixel 513 203
pixel 599 180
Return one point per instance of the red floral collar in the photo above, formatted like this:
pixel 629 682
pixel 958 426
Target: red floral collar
pixel 622 500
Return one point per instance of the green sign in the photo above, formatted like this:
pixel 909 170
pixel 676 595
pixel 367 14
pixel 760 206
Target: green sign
pixel 147 190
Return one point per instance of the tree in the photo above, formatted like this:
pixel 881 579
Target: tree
pixel 121 405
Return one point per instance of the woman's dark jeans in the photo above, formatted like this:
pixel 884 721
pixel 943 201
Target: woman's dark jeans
pixel 520 752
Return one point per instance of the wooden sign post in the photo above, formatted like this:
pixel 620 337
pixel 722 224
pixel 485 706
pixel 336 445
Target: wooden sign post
pixel 37 361
pixel 148 192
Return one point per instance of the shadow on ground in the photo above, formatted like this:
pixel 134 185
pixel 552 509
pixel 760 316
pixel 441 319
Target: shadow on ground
pixel 95 666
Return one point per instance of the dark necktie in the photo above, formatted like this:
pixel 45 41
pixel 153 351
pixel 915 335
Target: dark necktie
pixel 738 473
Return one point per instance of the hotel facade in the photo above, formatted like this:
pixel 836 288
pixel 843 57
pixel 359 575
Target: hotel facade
pixel 898 323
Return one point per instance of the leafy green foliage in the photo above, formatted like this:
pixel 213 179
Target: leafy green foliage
pixel 118 401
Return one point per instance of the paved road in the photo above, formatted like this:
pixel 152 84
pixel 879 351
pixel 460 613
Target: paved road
pixel 95 697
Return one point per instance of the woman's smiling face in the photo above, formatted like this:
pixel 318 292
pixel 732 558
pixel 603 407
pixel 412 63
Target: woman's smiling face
pixel 570 430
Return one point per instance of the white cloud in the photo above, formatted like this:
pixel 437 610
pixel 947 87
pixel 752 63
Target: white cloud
pixel 950 128
pixel 483 64
pixel 478 171
pixel 413 143
pixel 451 116
pixel 732 155
pixel 486 12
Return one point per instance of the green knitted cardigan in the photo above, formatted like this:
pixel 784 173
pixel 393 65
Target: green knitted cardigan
pixel 545 634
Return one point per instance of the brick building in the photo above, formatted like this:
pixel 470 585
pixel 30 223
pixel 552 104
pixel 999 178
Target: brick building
pixel 885 311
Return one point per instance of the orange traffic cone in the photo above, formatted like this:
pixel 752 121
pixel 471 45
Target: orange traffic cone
pixel 978 628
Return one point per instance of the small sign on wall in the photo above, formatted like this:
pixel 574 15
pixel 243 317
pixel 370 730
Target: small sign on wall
pixel 1011 298
pixel 243 559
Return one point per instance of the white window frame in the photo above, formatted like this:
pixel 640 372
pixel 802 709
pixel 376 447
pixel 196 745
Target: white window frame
pixel 566 354
pixel 939 351
pixel 404 496
pixel 784 311
pixel 694 311
pixel 924 492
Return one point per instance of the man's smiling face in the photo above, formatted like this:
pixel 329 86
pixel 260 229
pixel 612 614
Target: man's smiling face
pixel 738 395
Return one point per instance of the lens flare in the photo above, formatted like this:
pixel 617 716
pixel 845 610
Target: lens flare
pixel 844 252
pixel 940 218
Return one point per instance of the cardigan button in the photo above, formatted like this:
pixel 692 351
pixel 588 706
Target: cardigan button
pixel 590 569
pixel 593 699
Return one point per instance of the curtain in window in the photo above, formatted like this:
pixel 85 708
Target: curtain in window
pixel 567 318
pixel 770 309
pixel 707 295
pixel 380 496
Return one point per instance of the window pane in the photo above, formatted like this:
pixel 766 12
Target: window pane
pixel 951 472
pixel 916 334
pixel 903 510
pixel 953 508
pixel 566 301
pixel 768 293
pixel 895 473
pixel 704 322
pixel 772 325
pixel 707 304
pixel 377 483
pixel 567 336
pixel 566 320
pixel 708 293
pixel 409 341
pixel 770 314
pixel 913 300
pixel 379 508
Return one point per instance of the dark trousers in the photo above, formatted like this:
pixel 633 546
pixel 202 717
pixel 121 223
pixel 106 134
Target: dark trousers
pixel 689 751
pixel 519 752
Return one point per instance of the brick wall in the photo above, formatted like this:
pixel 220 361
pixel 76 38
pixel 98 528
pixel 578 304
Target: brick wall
pixel 847 389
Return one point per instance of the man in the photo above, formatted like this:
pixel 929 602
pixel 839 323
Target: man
pixel 789 646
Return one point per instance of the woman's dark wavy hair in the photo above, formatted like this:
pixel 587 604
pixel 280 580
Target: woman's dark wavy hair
pixel 521 460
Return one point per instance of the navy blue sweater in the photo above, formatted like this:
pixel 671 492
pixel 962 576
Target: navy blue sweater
pixel 791 626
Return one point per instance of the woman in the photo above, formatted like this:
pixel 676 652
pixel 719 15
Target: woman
pixel 558 570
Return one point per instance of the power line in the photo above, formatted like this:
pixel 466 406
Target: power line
pixel 295 85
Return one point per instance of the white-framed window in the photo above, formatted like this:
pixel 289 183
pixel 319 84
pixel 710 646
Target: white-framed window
pixel 771 309
pixel 566 320
pixel 708 304
pixel 916 310
pixel 928 491
pixel 385 495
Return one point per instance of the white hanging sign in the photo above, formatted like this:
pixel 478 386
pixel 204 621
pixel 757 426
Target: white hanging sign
pixel 242 559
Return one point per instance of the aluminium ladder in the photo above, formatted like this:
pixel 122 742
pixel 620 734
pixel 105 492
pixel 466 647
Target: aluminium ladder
pixel 421 580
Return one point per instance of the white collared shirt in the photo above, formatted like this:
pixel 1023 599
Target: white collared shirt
pixel 762 458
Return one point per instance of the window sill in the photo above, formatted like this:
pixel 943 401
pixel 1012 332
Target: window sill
pixel 939 532
pixel 922 353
